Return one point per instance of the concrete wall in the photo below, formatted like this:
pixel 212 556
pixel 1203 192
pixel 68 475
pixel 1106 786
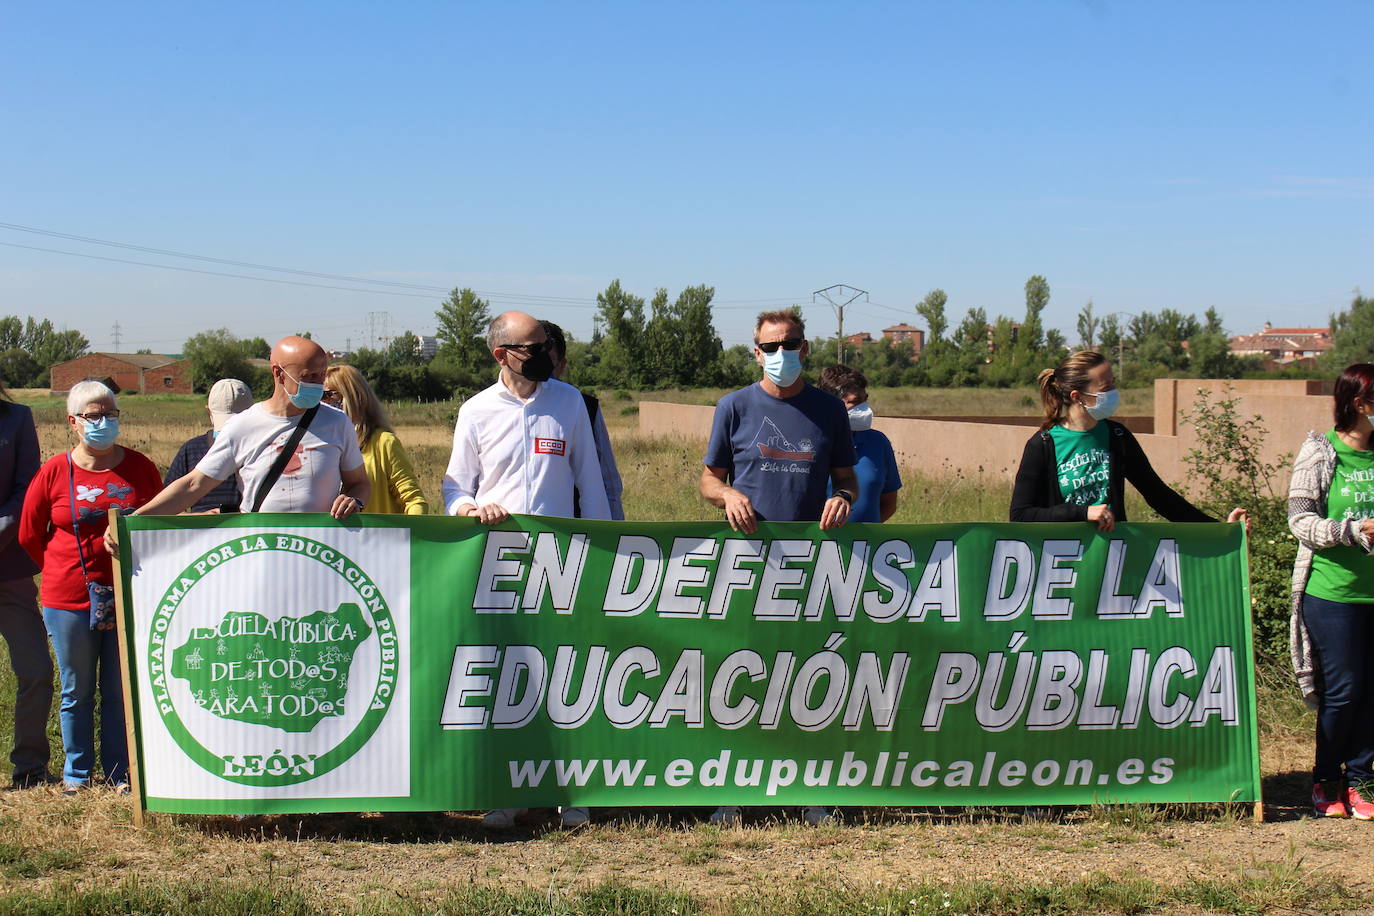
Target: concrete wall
pixel 1286 411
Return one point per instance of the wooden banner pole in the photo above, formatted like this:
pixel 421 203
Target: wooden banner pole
pixel 126 678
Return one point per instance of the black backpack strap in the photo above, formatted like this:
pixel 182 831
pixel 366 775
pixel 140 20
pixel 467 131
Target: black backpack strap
pixel 592 405
pixel 279 465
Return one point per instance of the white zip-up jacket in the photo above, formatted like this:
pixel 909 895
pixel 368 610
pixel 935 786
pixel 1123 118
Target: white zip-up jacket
pixel 525 455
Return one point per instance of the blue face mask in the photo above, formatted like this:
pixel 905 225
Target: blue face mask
pixel 307 395
pixel 1107 403
pixel 100 433
pixel 782 367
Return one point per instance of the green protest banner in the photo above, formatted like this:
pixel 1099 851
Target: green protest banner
pixel 292 663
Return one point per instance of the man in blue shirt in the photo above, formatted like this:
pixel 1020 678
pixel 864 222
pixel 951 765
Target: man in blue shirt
pixel 776 449
pixel 778 445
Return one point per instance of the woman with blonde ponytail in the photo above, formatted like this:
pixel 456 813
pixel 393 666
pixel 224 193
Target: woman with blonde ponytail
pixel 1075 467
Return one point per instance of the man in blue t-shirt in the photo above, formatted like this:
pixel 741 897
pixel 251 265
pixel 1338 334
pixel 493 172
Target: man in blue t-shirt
pixel 778 445
pixel 775 449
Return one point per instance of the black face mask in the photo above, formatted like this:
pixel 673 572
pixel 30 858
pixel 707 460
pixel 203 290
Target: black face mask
pixel 538 368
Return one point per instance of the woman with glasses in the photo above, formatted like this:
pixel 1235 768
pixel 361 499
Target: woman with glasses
pixel 66 511
pixel 1075 468
pixel 395 488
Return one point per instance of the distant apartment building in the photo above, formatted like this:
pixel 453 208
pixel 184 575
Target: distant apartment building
pixel 900 332
pixel 1284 346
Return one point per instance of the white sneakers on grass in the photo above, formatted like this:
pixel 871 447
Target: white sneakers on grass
pixel 574 817
pixel 725 815
pixel 501 818
pixel 504 818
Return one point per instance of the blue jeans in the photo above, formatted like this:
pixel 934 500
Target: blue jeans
pixel 86 659
pixel 1343 638
pixel 22 629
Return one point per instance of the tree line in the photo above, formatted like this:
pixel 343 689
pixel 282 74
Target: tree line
pixel 30 348
pixel 671 341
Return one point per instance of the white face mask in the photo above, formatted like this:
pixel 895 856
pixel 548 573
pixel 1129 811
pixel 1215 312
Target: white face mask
pixel 1107 402
pixel 860 417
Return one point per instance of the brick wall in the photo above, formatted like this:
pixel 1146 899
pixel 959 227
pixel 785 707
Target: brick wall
pixel 127 376
pixel 94 365
pixel 173 378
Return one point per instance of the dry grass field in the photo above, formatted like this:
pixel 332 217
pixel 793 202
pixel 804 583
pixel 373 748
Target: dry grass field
pixel 76 855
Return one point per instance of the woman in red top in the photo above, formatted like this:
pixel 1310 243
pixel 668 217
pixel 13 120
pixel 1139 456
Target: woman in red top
pixel 75 492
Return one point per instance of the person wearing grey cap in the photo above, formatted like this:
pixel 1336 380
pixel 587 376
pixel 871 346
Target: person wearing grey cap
pixel 227 397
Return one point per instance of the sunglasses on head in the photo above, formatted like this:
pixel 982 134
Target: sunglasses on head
pixel 771 346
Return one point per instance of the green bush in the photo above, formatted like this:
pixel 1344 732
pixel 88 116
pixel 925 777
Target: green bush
pixel 1227 470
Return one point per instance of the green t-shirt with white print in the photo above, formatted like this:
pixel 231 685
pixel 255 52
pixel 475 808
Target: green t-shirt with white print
pixel 1083 464
pixel 1344 573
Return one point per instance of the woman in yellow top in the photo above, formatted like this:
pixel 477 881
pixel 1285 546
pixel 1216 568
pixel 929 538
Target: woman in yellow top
pixel 394 487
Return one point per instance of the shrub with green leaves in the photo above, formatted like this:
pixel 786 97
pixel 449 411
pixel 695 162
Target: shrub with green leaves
pixel 1227 470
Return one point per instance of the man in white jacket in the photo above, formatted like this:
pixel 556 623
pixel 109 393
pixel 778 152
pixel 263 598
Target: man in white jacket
pixel 524 445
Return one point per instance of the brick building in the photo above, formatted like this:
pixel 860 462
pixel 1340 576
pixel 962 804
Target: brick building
pixel 900 332
pixel 1284 346
pixel 146 373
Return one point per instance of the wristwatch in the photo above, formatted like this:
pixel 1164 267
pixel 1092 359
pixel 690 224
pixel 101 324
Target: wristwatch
pixel 846 496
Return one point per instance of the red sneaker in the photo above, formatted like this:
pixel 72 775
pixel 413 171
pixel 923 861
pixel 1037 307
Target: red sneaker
pixel 1360 800
pixel 1327 800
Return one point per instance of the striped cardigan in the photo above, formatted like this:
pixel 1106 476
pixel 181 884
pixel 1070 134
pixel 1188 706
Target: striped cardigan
pixel 1313 471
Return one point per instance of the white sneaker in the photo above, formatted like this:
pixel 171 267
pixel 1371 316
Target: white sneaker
pixel 725 815
pixel 815 815
pixel 499 818
pixel 573 817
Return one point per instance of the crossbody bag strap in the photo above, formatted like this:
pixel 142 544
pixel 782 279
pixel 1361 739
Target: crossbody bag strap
pixel 279 465
pixel 76 526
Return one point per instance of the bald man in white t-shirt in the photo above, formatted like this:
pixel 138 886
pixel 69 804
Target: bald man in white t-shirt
pixel 325 474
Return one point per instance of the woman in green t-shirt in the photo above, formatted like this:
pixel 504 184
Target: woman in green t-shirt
pixel 1074 469
pixel 1331 513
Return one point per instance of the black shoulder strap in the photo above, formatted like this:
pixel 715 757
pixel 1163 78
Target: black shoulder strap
pixel 592 404
pixel 279 465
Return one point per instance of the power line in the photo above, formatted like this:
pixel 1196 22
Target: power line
pixel 318 275
pixel 215 273
pixel 213 260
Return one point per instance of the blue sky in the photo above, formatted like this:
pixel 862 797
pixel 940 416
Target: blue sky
pixel 1142 155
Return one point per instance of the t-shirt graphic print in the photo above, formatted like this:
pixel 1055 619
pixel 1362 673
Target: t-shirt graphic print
pixel 780 451
pixel 1083 464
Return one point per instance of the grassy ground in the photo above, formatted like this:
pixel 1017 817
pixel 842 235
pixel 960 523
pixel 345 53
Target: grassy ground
pixel 64 855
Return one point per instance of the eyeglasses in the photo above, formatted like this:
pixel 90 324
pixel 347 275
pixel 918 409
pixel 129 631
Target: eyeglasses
pixel 332 395
pixel 771 346
pixel 529 349
pixel 97 417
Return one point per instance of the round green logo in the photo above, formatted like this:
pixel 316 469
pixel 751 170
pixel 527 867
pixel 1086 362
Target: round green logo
pixel 274 696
